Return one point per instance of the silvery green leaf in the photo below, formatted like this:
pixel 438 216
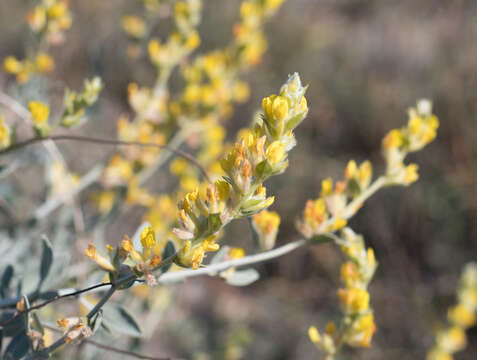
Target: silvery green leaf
pixel 5 282
pixel 169 251
pixel 243 277
pixel 118 319
pixel 46 260
pixel 15 326
pixel 18 347
pixel 37 323
pixel 136 239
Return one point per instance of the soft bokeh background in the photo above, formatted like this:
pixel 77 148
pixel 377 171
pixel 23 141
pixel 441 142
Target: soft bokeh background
pixel 366 62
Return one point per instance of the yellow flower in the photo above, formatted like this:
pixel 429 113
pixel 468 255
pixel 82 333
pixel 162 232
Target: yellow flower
pixel 275 152
pixel 266 225
pixel 58 10
pixel 193 40
pixel 452 340
pixel 5 133
pixel 12 65
pixel 362 331
pixel 39 112
pixel 354 300
pixel 134 26
pixel 349 273
pixel 393 139
pixel 314 335
pixel 438 354
pixel 99 259
pixel 326 187
pixel 351 169
pixel 462 316
pixel 411 175
pixel 44 63
pixel 236 253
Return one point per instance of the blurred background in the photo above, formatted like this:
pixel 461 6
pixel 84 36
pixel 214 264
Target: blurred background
pixel 366 63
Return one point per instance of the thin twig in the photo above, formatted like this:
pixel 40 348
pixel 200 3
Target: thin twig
pixel 112 348
pixel 212 270
pixel 124 352
pixel 57 297
pixel 101 141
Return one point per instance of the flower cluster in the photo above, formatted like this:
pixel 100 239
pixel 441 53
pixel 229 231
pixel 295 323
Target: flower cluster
pixel 75 329
pixel 48 21
pixel 249 36
pixel 140 255
pixel 50 18
pixel 212 85
pixel 75 103
pixel 358 322
pixel 420 131
pixel 340 201
pixel 74 107
pixel 329 211
pixel 257 155
pixel 461 316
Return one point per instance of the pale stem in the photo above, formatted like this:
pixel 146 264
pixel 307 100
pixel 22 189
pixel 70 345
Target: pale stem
pixel 212 270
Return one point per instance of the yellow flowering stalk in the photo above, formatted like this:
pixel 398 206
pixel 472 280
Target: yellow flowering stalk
pixel 49 20
pixel 357 326
pixel 341 200
pixel 40 113
pixel 5 133
pixel 75 104
pixel 254 158
pixel 420 131
pixel 460 317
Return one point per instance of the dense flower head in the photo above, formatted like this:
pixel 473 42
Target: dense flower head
pixel 75 104
pixel 421 130
pixel 255 156
pixel 326 212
